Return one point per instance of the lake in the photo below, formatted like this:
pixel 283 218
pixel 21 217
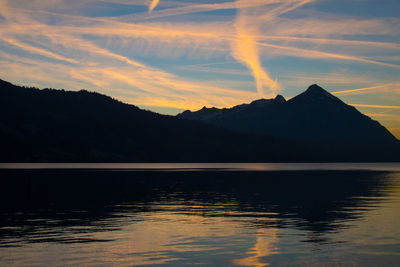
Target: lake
pixel 247 214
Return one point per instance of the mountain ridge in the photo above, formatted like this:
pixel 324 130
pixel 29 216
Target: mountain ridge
pixel 311 115
pixel 46 125
pixel 49 125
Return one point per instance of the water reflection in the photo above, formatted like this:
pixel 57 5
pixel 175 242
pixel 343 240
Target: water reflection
pixel 264 246
pixel 88 217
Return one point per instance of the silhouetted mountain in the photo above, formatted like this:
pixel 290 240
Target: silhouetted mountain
pixel 57 125
pixel 313 116
pixel 66 126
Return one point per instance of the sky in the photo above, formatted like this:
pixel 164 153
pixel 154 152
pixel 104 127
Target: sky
pixel 169 56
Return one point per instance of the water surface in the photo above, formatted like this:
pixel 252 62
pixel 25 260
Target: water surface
pixel 371 166
pixel 225 215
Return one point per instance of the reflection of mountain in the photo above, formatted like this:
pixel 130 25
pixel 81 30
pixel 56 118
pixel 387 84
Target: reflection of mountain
pixel 315 202
pixel 63 126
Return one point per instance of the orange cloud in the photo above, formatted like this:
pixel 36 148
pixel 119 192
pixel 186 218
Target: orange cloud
pixel 375 106
pixel 134 82
pixel 316 54
pixel 383 88
pixel 34 50
pixel 245 44
pixel 251 37
pixel 357 90
pixel 195 8
pixel 178 34
pixel 332 41
pixel 245 50
pixel 334 26
pixel 153 4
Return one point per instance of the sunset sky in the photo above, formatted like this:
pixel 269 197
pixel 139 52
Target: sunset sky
pixel 168 56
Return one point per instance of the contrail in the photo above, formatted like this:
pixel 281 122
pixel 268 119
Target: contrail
pixel 374 106
pixel 358 90
pixel 245 50
pixel 245 47
pixel 153 4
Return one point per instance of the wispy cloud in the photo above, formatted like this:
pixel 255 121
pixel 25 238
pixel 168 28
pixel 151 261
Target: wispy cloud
pixel 194 8
pixel 317 54
pixel 209 36
pixel 35 50
pixel 245 50
pixel 375 106
pixel 206 68
pixel 331 25
pixel 397 116
pixel 153 4
pixel 358 90
pixel 245 45
pixel 144 86
pixel 108 52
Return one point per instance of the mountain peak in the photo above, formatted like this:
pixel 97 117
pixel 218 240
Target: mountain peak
pixel 315 88
pixel 280 99
pixel 315 93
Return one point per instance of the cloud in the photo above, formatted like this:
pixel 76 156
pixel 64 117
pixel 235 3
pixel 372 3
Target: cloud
pixel 34 50
pixel 363 90
pixel 144 85
pixel 193 8
pixel 375 106
pixel 103 52
pixel 334 25
pixel 220 70
pixel 245 50
pixel 317 54
pixel 396 116
pixel 340 77
pixel 245 46
pixel 210 38
pixel 333 42
pixel 153 4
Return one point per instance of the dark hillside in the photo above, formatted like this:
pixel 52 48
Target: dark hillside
pixel 65 126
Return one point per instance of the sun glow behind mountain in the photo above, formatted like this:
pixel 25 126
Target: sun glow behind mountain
pixel 169 56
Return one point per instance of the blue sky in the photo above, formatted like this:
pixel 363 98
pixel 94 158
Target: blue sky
pixel 168 56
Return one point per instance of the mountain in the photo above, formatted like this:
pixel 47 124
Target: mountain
pixel 66 126
pixel 313 116
pixel 48 125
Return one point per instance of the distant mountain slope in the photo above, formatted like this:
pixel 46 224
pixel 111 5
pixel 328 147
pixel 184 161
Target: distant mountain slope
pixel 313 116
pixel 64 126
